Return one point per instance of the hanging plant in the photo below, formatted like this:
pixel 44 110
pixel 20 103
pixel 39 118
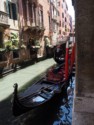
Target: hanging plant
pixel 11 43
pixel 8 45
pixel 2 50
pixel 15 41
pixel 23 46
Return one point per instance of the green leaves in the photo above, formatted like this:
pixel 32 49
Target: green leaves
pixel 12 42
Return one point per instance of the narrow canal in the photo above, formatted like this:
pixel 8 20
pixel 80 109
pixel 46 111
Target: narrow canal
pixel 56 112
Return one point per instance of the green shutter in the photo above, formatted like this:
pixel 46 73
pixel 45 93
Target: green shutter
pixel 14 11
pixel 9 9
pixel 7 6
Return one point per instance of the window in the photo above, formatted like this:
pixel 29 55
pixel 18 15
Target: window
pixel 62 15
pixel 58 3
pixel 59 31
pixel 49 21
pixel 41 16
pixel 62 5
pixel 58 14
pixel 65 28
pixel 66 7
pixel 59 23
pixel 2 57
pixel 15 54
pixel 48 1
pixel 62 24
pixel 53 26
pixel 12 11
pixel 65 19
pixel 65 11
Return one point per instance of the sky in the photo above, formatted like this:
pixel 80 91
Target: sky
pixel 70 8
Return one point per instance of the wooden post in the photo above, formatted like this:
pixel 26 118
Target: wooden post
pixel 72 54
pixel 66 61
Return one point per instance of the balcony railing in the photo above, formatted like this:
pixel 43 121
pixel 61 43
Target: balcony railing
pixel 54 17
pixel 3 18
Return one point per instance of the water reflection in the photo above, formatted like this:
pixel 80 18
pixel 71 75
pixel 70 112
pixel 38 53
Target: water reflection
pixel 65 110
pixel 55 112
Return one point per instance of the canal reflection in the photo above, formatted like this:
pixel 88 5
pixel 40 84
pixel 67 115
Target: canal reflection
pixel 55 112
pixel 64 114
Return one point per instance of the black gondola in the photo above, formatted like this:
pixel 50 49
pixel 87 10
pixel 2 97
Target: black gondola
pixel 38 94
pixel 42 91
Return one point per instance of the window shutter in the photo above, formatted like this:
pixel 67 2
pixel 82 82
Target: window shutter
pixel 9 5
pixel 14 11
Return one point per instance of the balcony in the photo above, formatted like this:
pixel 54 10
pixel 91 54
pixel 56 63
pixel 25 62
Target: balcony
pixel 3 18
pixel 34 27
pixel 33 24
pixel 54 3
pixel 40 24
pixel 54 17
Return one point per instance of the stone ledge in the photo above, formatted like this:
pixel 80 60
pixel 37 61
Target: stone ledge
pixel 83 104
pixel 83 118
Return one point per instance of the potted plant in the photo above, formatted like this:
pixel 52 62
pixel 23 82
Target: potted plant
pixel 2 50
pixel 15 41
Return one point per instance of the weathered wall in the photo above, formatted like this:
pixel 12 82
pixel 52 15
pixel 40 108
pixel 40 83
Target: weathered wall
pixel 46 8
pixel 85 50
pixel 84 94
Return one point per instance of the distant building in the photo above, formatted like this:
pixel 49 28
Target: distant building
pixel 71 25
pixel 65 21
pixel 54 24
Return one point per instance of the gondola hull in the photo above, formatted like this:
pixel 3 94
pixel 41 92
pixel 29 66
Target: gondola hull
pixel 37 95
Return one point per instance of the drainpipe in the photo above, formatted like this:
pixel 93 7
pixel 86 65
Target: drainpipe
pixel 72 54
pixel 66 60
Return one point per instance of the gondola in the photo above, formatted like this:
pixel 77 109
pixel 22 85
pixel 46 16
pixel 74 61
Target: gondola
pixel 42 91
pixel 38 94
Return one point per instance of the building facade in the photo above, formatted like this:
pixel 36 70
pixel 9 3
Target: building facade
pixel 24 25
pixel 34 19
pixel 9 32
pixel 54 22
pixel 8 17
pixel 64 18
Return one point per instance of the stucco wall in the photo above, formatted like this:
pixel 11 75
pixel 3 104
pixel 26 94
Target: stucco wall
pixel 46 8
